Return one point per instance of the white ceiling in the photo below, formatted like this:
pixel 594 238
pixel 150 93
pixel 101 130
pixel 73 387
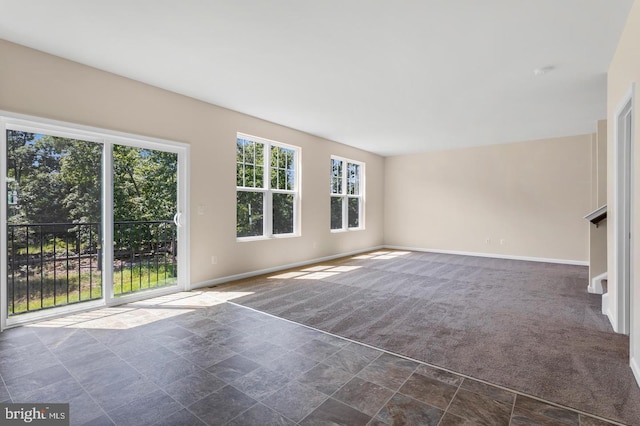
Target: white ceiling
pixel 391 77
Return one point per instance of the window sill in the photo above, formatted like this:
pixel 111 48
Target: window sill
pixel 263 238
pixel 339 231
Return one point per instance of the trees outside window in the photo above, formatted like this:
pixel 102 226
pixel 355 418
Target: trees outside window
pixel 266 188
pixel 58 180
pixel 347 189
pixel 57 223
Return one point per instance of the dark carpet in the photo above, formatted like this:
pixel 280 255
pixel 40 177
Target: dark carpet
pixel 531 327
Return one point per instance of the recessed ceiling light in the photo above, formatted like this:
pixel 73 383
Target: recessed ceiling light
pixel 543 70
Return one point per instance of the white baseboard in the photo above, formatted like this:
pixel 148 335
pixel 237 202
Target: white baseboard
pixel 595 286
pixel 493 255
pixel 606 310
pixel 228 278
pixel 635 368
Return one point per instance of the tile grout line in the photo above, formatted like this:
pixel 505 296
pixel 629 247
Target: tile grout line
pixel 180 356
pixel 337 390
pixel 517 393
pixel 259 402
pixel 254 405
pixel 186 407
pixel 142 374
pixel 5 386
pixel 268 395
pixel 446 410
pixel 353 376
pixel 437 367
pixel 513 409
pixel 375 416
pixel 76 379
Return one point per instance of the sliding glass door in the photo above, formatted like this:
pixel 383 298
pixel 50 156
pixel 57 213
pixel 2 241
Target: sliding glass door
pixel 91 219
pixel 145 221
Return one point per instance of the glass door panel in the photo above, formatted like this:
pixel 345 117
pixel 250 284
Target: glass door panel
pixel 145 219
pixel 53 221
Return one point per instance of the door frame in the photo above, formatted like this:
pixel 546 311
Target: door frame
pixel 623 206
pixel 183 232
pixel 108 138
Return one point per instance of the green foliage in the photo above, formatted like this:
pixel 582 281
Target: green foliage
pixel 336 212
pixel 60 180
pixel 249 164
pixel 59 247
pixel 80 170
pixel 249 213
pixel 144 184
pixel 282 213
pixel 250 173
pixel 33 161
pixel 282 168
pixel 353 213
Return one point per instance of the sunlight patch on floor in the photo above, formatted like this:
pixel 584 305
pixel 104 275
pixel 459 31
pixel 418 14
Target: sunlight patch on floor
pixel 140 313
pixel 379 255
pixel 288 275
pixel 317 275
pixel 344 268
pixel 315 272
pixel 223 296
pixel 317 268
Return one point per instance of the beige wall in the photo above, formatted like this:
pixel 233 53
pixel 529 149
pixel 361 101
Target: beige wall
pixel 623 71
pixel 601 163
pixel 42 85
pixel 598 235
pixel 533 195
pixel 594 176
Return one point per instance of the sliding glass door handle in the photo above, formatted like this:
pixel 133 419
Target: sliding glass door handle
pixel 176 219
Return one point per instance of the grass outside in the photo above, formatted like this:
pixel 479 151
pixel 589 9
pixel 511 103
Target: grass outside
pixel 83 287
pixel 60 247
pixel 136 278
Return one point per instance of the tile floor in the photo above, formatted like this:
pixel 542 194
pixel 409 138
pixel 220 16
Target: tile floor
pixel 194 359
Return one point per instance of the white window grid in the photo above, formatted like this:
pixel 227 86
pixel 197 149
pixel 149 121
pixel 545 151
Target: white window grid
pixel 266 189
pixel 346 187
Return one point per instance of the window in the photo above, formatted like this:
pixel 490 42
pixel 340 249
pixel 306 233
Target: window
pixel 267 188
pixel 347 189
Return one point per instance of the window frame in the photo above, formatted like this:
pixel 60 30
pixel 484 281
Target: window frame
pixel 345 197
pixel 267 191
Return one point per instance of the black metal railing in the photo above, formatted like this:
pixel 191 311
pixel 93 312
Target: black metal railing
pixel 56 264
pixel 145 255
